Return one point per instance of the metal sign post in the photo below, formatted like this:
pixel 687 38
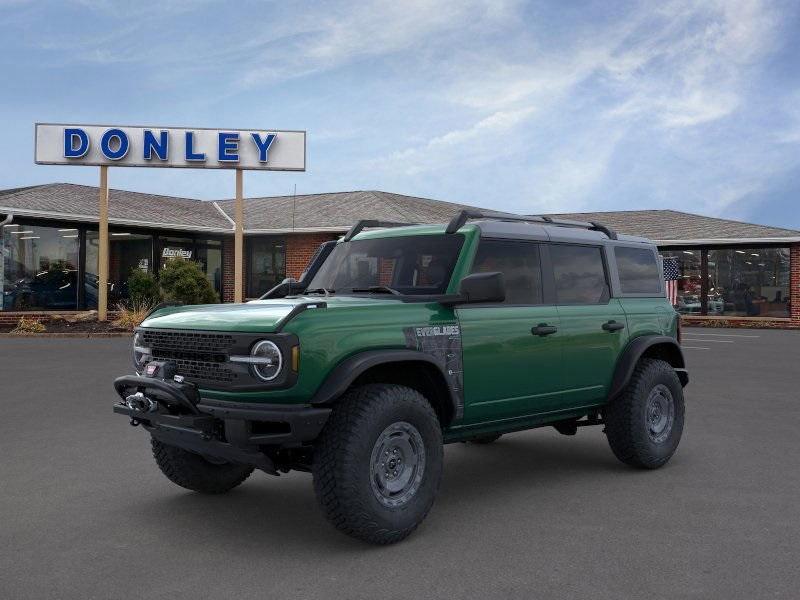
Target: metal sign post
pixel 103 253
pixel 238 242
pixel 176 147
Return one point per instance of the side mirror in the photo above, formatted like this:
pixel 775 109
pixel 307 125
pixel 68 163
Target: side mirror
pixel 482 287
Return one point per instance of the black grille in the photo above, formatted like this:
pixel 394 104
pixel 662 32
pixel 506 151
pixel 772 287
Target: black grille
pixel 197 356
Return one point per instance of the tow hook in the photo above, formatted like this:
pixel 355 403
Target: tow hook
pixel 140 403
pixel 134 422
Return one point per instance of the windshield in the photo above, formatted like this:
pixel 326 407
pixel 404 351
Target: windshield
pixel 409 265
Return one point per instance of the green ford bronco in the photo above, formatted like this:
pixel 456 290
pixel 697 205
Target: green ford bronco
pixel 399 339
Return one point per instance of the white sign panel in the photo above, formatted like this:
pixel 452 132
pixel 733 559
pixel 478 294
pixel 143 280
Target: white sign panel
pixel 123 146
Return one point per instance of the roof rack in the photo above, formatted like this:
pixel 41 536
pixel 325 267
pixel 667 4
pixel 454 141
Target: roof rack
pixel 463 216
pixel 356 229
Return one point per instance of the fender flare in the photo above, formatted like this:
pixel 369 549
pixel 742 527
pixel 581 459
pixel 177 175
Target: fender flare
pixel 341 377
pixel 634 351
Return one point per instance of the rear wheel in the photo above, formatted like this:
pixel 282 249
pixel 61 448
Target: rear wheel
pixel 196 473
pixel 644 424
pixel 378 462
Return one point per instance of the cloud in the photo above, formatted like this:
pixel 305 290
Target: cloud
pixel 532 106
pixel 463 146
pixel 567 109
pixel 325 39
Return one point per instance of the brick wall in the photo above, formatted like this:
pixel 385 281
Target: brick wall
pixel 228 272
pixel 300 247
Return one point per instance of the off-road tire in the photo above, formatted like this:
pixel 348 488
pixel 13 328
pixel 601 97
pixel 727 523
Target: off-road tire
pixel 343 462
pixel 194 472
pixel 626 417
pixel 486 439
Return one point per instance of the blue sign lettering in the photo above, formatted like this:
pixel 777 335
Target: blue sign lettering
pixel 159 146
pixel 190 153
pixel 263 145
pixel 228 147
pixel 122 144
pixel 73 136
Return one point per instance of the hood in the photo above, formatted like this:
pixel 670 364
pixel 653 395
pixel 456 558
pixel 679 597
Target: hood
pixel 258 316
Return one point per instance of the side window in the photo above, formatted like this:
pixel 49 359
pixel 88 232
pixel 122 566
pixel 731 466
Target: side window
pixel 518 262
pixel 638 270
pixel 579 273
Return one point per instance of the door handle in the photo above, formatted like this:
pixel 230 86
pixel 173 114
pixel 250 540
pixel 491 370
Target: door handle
pixel 612 326
pixel 543 329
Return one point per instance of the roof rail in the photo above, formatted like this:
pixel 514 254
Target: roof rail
pixel 356 229
pixel 463 216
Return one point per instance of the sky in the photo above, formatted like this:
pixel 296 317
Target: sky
pixel 531 107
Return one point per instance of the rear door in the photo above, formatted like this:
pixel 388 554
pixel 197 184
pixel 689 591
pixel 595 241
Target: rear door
pixel 510 371
pixel 593 324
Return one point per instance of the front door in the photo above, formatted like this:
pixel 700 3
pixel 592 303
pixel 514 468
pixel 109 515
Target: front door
pixel 511 350
pixel 593 325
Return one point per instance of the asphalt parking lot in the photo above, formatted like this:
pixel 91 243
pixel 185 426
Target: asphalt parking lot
pixel 85 513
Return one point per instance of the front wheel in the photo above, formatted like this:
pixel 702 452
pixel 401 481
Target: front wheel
pixel 378 462
pixel 644 424
pixel 196 473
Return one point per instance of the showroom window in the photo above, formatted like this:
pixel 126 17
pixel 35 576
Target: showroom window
pixel 39 267
pixel 749 282
pixel 690 279
pixel 206 252
pixel 266 264
pixel 128 252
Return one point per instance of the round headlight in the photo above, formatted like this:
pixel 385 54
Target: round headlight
pixel 266 360
pixel 141 354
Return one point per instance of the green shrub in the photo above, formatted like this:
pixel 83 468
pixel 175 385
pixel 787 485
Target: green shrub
pixel 143 288
pixel 184 281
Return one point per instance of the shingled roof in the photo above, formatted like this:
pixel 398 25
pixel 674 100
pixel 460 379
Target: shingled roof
pixel 339 210
pixel 79 203
pixel 674 227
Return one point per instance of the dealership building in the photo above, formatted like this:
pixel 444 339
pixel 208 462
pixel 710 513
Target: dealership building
pixel 736 273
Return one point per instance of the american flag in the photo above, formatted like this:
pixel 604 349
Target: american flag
pixel 671 273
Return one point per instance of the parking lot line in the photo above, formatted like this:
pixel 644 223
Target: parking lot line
pixel 694 348
pixel 707 341
pixel 724 335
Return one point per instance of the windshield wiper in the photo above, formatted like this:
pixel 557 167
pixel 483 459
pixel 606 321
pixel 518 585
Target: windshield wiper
pixel 321 290
pixel 378 289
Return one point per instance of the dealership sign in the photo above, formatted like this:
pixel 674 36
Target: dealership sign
pixel 110 145
pixel 176 253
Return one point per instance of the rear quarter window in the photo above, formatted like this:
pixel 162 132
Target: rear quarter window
pixel 638 270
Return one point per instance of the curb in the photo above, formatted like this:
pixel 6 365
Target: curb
pixel 87 334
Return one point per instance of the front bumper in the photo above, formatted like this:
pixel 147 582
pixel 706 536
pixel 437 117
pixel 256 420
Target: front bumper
pixel 236 432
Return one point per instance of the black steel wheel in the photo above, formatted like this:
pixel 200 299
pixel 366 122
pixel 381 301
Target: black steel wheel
pixel 378 462
pixel 397 464
pixel 644 424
